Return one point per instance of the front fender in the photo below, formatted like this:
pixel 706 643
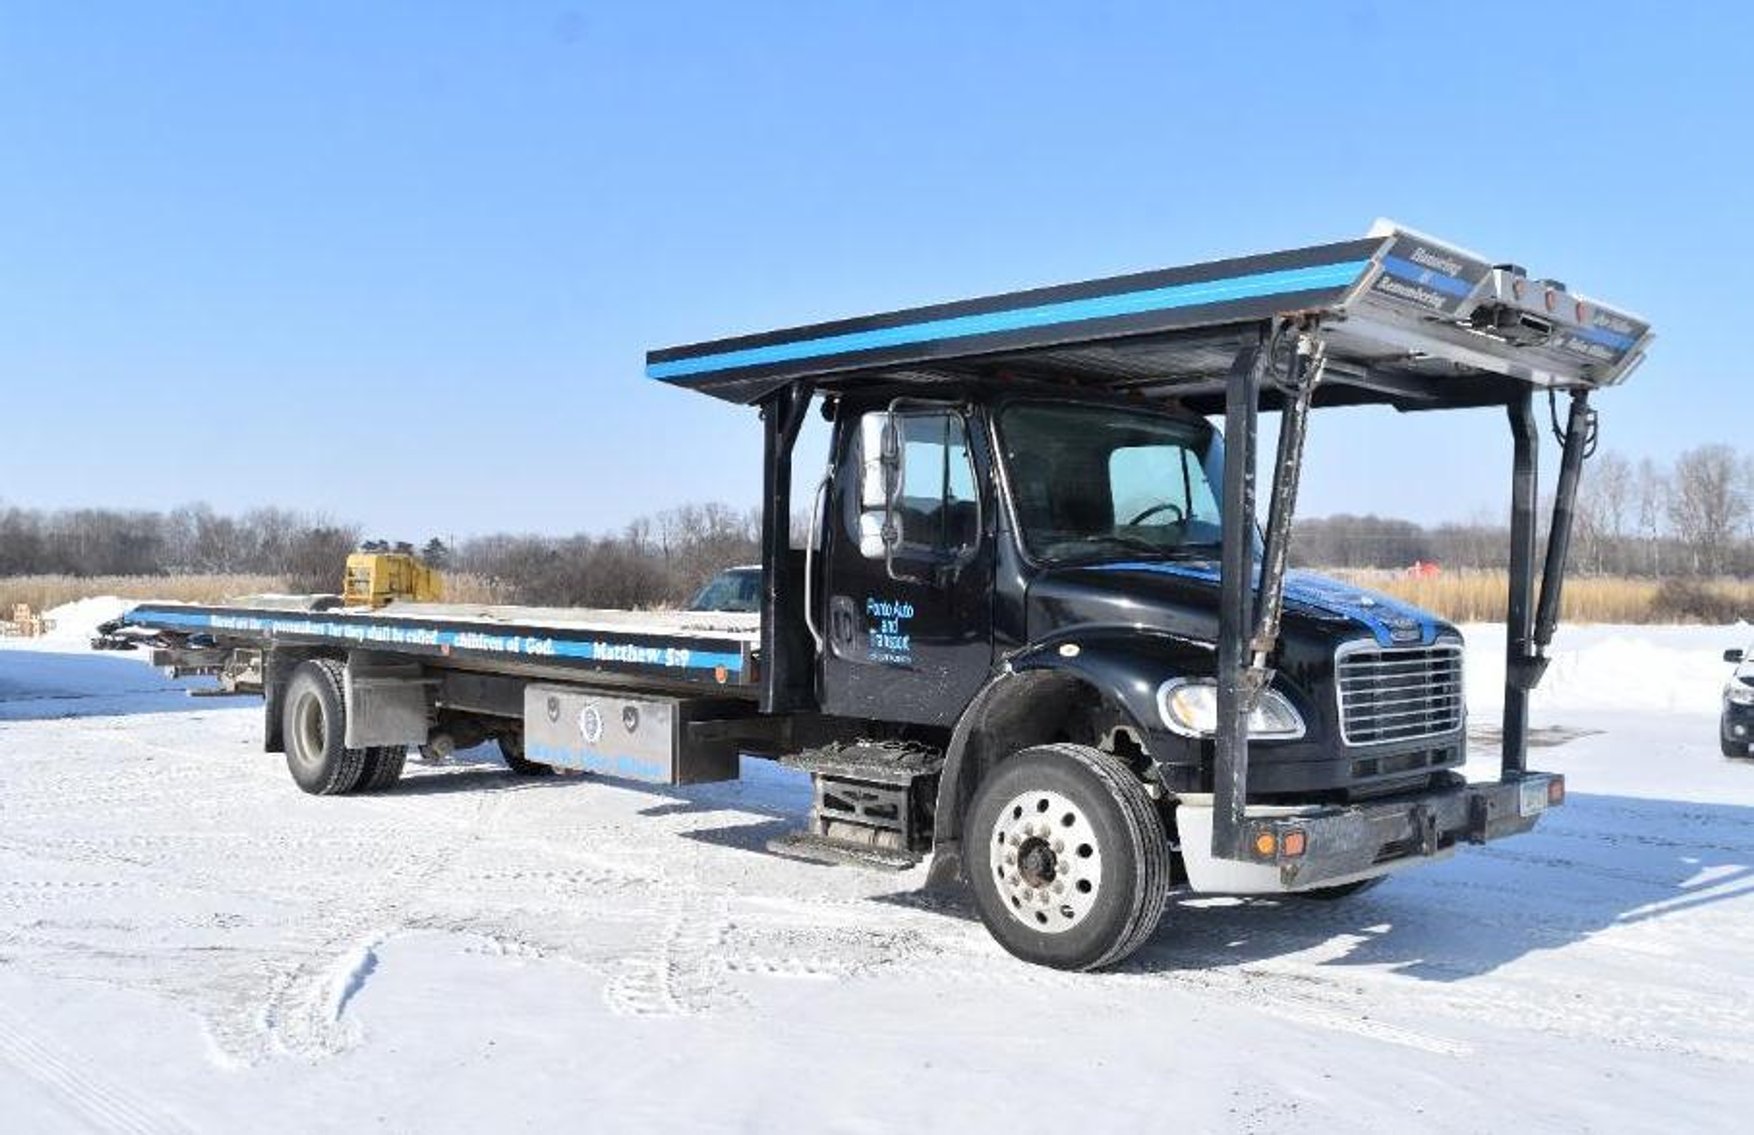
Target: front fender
pixel 1028 701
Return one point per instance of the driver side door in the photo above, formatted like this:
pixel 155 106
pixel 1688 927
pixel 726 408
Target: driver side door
pixel 909 633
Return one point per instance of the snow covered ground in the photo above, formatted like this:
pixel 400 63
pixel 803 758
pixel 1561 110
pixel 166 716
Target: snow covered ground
pixel 188 943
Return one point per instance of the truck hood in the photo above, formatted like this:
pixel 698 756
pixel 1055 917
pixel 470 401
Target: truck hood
pixel 1181 596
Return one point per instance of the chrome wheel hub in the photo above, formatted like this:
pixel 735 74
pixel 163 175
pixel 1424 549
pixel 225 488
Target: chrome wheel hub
pixel 305 736
pixel 1046 861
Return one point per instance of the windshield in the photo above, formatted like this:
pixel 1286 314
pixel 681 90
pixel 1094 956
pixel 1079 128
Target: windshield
pixel 1102 483
pixel 738 589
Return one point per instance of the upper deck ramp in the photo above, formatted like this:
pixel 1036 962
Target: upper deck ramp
pixel 1409 320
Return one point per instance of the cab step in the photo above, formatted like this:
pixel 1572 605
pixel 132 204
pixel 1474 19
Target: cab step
pixel 872 804
pixel 822 849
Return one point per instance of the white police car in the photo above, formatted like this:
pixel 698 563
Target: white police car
pixel 1737 730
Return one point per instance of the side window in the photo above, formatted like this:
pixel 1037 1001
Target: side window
pixel 938 506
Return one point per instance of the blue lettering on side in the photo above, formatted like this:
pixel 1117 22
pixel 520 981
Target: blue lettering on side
pixel 609 764
pixel 479 642
pixel 887 637
pixel 1425 277
pixel 1603 336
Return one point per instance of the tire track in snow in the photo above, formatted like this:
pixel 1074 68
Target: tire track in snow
pixel 684 975
pixel 104 1105
pixel 304 1013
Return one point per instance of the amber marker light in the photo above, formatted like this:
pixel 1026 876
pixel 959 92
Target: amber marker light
pixel 1265 845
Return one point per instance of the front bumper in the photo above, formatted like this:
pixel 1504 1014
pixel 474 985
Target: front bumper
pixel 1298 849
pixel 1357 841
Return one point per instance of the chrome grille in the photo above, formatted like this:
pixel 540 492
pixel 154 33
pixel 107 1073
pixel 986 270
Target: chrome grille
pixel 1398 693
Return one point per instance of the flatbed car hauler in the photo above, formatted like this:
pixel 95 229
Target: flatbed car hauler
pixel 1037 633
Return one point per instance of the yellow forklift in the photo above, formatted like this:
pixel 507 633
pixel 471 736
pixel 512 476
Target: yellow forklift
pixel 378 572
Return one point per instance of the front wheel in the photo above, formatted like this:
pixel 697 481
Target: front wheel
pixel 1733 749
pixel 1075 872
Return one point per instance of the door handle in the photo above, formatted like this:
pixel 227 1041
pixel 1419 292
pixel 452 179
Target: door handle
pixel 843 621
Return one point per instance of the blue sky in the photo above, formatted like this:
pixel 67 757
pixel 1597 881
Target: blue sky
pixel 399 263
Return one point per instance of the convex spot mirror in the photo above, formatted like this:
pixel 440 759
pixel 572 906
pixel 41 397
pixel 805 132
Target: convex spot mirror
pixel 880 485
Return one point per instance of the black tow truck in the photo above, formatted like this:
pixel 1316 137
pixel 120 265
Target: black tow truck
pixel 1040 632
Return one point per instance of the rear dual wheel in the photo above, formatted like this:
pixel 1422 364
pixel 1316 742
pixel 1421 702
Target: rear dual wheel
pixel 313 731
pixel 1068 859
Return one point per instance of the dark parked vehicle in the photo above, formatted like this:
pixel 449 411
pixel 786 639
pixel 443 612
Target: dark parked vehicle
pixel 1736 731
pixel 734 589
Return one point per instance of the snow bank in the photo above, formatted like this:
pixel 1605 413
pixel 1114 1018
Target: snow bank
pixel 1641 669
pixel 78 621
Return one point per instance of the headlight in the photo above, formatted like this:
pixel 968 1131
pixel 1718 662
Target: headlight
pixel 1736 693
pixel 1189 706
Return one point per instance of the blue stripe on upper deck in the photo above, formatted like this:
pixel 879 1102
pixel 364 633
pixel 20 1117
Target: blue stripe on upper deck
pixel 1254 286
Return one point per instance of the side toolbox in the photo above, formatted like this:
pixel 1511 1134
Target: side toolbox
pixel 635 738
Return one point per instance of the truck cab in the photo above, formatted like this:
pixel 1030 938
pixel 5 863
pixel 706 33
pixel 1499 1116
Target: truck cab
pixel 1034 559
pixel 1081 534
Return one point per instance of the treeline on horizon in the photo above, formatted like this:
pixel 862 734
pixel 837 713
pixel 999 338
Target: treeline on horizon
pixel 652 561
pixel 1692 518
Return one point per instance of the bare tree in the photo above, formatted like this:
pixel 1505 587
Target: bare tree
pixel 1604 502
pixel 1651 500
pixel 1711 503
pixel 316 557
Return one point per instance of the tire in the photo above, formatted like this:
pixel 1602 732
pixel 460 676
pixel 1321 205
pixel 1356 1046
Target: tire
pixel 1735 750
pixel 382 768
pixel 1095 831
pixel 511 751
pixel 313 729
pixel 1343 891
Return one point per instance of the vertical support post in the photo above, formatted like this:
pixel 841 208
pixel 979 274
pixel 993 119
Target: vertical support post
pixel 1242 400
pixel 787 671
pixel 1519 620
pixel 1577 442
pixel 1306 373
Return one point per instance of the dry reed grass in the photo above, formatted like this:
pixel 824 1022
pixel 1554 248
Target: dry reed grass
pixel 45 591
pixel 1461 596
pixel 1483 596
